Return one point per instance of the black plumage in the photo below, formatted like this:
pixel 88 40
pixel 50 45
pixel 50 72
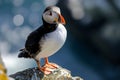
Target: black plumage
pixel 32 45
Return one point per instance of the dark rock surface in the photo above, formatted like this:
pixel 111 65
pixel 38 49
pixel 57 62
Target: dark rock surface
pixel 34 74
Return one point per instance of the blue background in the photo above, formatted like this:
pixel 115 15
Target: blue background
pixel 92 48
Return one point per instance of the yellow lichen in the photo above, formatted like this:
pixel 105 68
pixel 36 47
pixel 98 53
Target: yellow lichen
pixel 3 75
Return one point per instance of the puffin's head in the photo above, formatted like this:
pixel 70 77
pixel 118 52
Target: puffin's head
pixel 53 15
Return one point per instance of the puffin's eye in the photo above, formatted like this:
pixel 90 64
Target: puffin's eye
pixel 50 13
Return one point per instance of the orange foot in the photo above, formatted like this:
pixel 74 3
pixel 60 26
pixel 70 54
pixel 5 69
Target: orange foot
pixel 51 65
pixel 46 70
pixel 48 67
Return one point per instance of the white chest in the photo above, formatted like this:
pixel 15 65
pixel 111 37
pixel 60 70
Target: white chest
pixel 52 42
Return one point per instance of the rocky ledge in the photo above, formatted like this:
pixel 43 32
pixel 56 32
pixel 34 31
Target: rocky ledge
pixel 34 74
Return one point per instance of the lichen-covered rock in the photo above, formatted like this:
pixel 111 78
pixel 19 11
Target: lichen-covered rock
pixel 34 74
pixel 3 75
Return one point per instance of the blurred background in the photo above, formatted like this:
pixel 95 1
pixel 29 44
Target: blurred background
pixel 92 49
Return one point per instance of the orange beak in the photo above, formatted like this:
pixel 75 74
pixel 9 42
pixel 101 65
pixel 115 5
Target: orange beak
pixel 62 19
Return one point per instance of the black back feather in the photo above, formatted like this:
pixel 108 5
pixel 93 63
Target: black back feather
pixel 32 44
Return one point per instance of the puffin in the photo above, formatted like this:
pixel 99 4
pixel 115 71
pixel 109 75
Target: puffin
pixel 46 40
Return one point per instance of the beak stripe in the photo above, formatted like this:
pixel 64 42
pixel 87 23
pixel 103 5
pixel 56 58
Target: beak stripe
pixel 62 20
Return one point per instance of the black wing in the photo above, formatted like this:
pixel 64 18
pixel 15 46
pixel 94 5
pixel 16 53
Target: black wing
pixel 32 43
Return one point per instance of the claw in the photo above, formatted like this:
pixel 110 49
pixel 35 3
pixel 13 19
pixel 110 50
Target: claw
pixel 51 65
pixel 45 70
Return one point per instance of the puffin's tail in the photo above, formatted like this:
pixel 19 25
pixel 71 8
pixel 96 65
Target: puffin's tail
pixel 24 54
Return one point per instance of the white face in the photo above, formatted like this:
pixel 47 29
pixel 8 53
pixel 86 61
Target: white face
pixel 51 17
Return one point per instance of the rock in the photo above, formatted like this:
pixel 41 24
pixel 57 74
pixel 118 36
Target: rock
pixel 34 74
pixel 3 75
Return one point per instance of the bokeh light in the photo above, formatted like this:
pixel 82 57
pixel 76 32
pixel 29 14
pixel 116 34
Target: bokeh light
pixel 18 20
pixel 76 9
